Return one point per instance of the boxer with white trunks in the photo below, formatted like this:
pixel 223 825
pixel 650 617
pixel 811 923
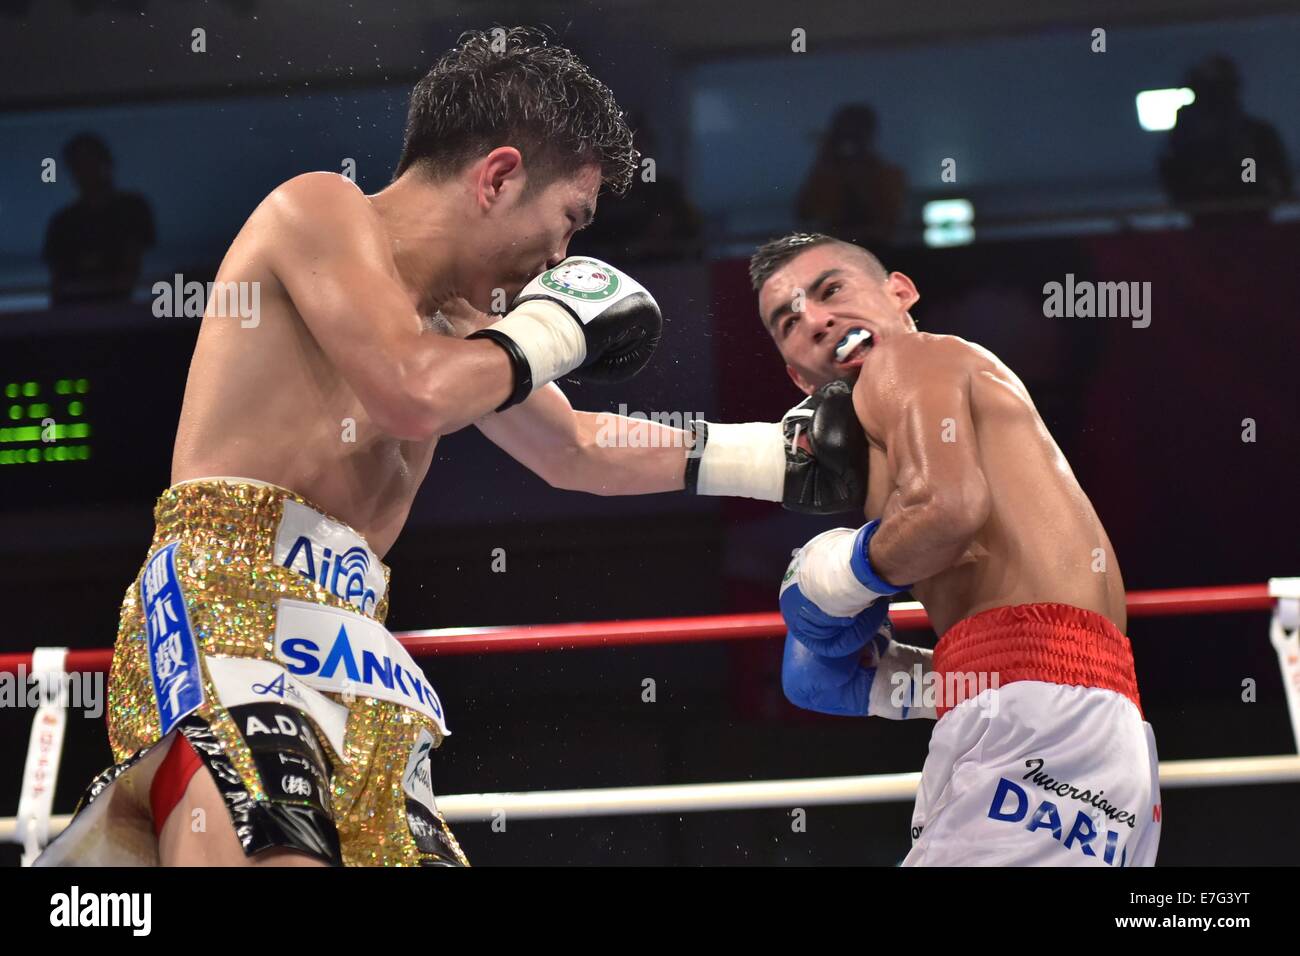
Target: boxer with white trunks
pixel 1041 754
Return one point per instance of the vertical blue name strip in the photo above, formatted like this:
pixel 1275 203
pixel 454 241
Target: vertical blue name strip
pixel 173 654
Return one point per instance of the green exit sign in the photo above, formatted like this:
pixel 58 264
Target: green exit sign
pixel 44 422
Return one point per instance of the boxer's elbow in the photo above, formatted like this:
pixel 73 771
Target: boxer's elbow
pixel 961 509
pixel 411 413
pixel 408 424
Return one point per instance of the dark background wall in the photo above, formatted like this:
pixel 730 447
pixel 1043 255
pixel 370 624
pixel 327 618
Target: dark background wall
pixel 1037 123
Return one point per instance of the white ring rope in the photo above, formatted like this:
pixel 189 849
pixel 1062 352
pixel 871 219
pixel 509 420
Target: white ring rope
pixel 688 798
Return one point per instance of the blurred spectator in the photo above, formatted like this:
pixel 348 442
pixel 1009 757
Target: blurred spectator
pixel 1202 160
pixel 94 246
pixel 653 221
pixel 851 191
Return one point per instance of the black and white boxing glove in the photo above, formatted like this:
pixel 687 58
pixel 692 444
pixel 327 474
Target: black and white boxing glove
pixel 814 461
pixel 585 316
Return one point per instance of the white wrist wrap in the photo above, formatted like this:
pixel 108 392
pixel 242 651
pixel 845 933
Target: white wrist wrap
pixel 550 338
pixel 898 690
pixel 824 575
pixel 744 461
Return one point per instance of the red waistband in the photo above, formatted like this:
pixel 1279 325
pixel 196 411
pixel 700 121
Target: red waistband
pixel 1054 643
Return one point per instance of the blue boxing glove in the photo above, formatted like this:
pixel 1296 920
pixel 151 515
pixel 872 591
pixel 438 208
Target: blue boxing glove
pixel 829 683
pixel 840 657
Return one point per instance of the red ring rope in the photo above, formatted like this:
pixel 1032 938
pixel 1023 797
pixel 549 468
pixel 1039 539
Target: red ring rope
pixel 680 630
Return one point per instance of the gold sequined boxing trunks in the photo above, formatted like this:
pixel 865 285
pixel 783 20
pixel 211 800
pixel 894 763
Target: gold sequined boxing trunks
pixel 255 630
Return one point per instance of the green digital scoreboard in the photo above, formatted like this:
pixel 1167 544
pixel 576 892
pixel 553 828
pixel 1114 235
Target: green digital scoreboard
pixel 45 422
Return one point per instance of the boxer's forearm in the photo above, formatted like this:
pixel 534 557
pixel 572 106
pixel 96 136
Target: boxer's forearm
pixel 598 453
pixel 918 540
pixel 626 456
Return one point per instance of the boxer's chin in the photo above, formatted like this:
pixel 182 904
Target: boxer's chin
pixel 837 374
pixel 848 372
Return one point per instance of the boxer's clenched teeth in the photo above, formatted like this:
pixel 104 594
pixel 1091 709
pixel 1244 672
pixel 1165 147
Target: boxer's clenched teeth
pixel 849 346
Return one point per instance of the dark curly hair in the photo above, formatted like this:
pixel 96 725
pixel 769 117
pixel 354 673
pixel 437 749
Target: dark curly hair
pixel 512 87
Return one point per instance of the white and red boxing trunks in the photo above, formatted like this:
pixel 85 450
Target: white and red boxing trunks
pixel 1053 763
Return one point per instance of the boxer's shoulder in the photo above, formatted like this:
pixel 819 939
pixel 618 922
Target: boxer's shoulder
pixel 320 215
pixel 311 207
pixel 929 344
pixel 920 357
pixel 319 188
pixel 901 360
pixel 898 367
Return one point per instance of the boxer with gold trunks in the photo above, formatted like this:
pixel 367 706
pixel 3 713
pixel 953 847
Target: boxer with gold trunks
pixel 260 713
pixel 252 646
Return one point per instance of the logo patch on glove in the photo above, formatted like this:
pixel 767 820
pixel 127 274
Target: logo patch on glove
pixel 582 279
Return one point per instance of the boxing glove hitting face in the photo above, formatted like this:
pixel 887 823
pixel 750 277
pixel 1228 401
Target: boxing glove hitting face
pixel 814 461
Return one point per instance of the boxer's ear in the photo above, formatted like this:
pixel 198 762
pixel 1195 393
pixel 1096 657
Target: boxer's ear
pixel 903 289
pixel 799 381
pixel 498 173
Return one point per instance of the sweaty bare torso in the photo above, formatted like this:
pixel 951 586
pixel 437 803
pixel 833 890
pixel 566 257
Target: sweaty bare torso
pixel 1043 542
pixel 264 402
